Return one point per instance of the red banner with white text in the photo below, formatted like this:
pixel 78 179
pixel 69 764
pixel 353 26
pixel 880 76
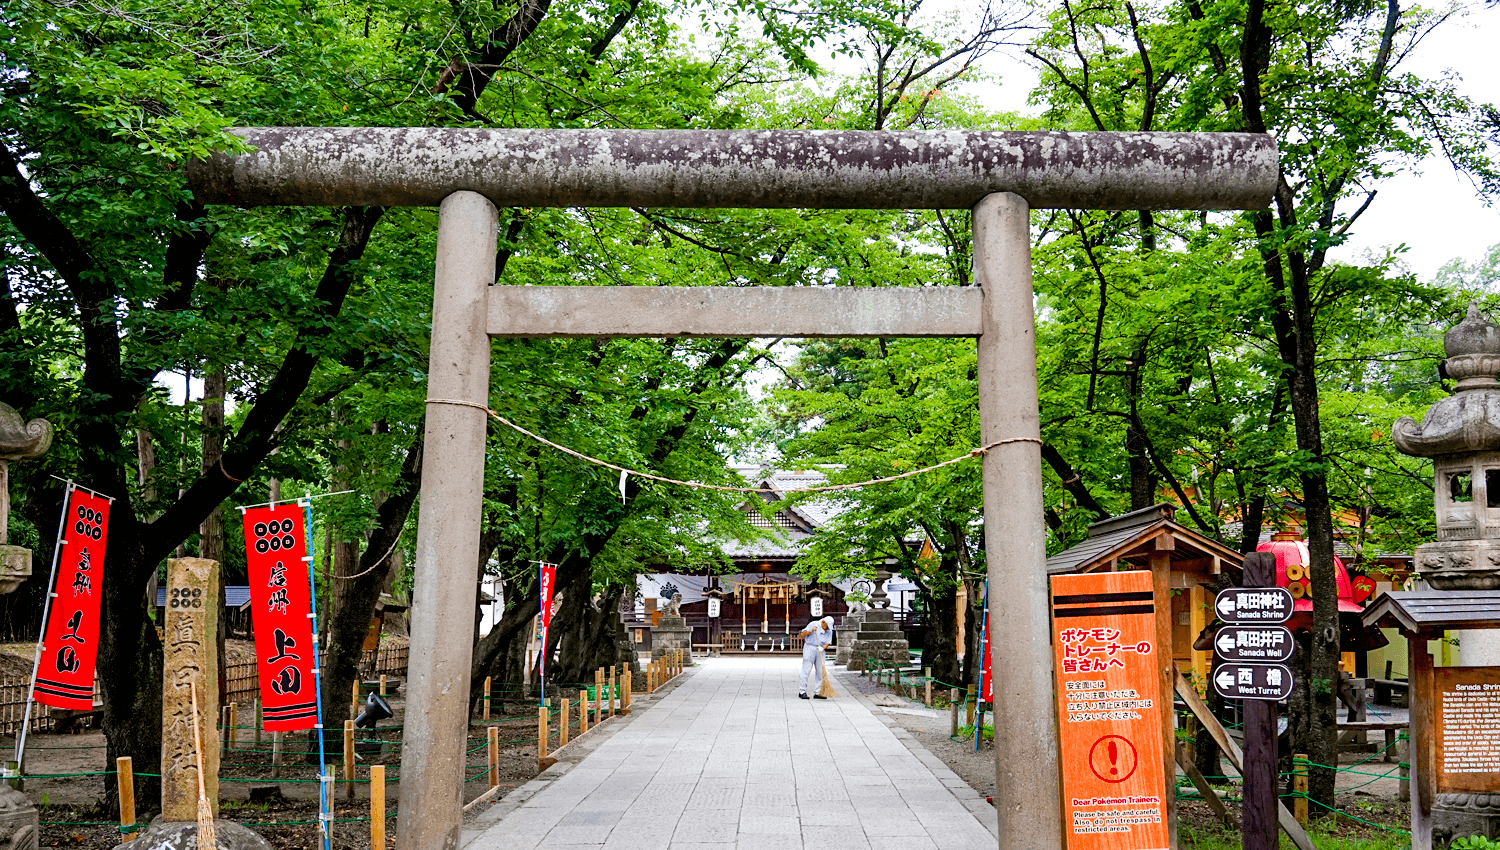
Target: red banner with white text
pixel 281 602
pixel 548 582
pixel 65 675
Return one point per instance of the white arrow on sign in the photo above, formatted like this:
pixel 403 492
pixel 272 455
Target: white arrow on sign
pixel 1226 643
pixel 1226 605
pixel 1225 679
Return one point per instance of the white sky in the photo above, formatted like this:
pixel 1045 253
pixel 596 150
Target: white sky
pixel 1435 213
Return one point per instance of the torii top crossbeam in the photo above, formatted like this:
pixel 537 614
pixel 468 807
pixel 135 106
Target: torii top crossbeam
pixel 842 169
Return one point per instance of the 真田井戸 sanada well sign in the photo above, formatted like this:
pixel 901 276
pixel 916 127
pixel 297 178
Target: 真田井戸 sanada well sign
pixel 1103 634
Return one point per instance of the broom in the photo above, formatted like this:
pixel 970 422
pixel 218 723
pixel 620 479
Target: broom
pixel 207 840
pixel 827 689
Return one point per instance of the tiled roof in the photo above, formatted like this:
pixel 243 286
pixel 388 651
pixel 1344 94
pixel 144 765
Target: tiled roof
pixel 1434 609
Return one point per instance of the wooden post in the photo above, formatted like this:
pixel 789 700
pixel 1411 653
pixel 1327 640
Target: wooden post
pixel 625 683
pixel 1258 813
pixel 1160 560
pixel 354 698
pixel 598 695
pixel 349 759
pixel 927 687
pixel 565 719
pixel 583 711
pixel 1199 605
pixel 1423 752
pixel 541 736
pixel 494 752
pixel 276 755
pixel 1299 787
pixel 125 773
pixel 382 692
pixel 953 709
pixel 611 692
pixel 970 702
pixel 377 806
pixel 1404 754
pixel 260 721
pixel 231 729
pixel 486 715
pixel 223 728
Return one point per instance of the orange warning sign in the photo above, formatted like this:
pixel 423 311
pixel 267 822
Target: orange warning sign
pixel 1103 634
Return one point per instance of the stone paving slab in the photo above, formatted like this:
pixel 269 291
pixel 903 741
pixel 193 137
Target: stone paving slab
pixel 731 759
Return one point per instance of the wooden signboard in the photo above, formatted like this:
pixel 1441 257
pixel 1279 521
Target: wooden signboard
pixel 1109 714
pixel 1467 723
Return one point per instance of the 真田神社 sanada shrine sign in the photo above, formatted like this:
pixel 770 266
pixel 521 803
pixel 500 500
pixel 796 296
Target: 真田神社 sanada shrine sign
pixel 1104 628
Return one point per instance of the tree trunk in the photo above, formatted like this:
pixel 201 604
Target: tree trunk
pixel 211 530
pixel 940 652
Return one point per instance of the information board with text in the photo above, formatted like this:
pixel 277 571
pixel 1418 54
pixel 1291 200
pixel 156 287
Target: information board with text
pixel 1468 729
pixel 1109 714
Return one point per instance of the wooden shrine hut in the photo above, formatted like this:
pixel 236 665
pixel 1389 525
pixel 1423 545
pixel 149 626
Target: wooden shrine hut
pixel 1182 559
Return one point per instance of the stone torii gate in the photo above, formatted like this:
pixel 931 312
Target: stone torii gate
pixel 1001 176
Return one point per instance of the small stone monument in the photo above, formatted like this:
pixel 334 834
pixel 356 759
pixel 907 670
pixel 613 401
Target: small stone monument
pixel 671 632
pixel 191 635
pixel 18 821
pixel 19 440
pixel 879 638
pixel 848 628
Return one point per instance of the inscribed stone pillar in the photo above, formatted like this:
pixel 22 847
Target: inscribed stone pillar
pixel 191 637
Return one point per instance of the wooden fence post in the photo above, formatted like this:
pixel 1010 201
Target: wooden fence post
pixel 354 700
pixel 377 807
pixel 927 687
pixel 565 719
pixel 276 755
pixel 953 709
pixel 486 715
pixel 494 754
pixel 969 704
pixel 611 692
pixel 349 759
pixel 1403 748
pixel 625 683
pixel 1299 787
pixel 260 721
pixel 541 736
pixel 382 684
pixel 583 711
pixel 126 776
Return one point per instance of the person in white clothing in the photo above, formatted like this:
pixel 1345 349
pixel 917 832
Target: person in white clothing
pixel 818 634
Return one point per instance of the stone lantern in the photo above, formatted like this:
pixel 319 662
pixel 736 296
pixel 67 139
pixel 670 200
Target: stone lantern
pixel 19 440
pixel 1461 434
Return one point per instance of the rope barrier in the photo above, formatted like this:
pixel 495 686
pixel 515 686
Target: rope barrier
pixel 723 488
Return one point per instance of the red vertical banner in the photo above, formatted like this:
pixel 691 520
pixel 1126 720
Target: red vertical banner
pixel 986 676
pixel 1108 711
pixel 281 605
pixel 70 645
pixel 547 583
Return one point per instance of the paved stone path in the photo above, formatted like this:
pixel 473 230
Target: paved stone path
pixel 731 758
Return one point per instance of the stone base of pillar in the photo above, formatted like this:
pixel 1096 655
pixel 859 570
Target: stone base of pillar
pixel 183 835
pixel 1457 815
pixel 15 567
pixel 671 634
pixel 879 639
pixel 848 630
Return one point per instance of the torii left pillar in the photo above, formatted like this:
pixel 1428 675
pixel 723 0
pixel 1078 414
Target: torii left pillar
pixel 448 527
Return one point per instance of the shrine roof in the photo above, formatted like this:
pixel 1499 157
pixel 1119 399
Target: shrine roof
pixel 1418 610
pixel 1127 537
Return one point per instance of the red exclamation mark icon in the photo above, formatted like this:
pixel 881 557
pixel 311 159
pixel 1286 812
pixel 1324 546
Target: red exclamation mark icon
pixel 1114 759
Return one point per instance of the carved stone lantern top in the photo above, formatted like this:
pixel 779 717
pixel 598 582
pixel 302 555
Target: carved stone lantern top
pixel 1469 419
pixel 20 439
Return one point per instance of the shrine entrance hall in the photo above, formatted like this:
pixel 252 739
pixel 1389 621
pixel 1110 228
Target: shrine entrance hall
pixel 731 758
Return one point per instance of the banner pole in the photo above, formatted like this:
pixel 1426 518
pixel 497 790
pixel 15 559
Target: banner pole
pixel 312 595
pixel 36 665
pixel 984 628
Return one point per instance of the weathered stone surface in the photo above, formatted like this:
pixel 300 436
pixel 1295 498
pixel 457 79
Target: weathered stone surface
pixel 15 567
pixel 1457 815
pixel 191 637
pixel 183 835
pixel 838 169
pixel 18 821
pixel 670 634
pixel 879 639
pixel 21 439
pixel 848 630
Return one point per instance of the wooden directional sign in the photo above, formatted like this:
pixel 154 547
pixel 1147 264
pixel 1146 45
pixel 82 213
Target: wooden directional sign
pixel 1265 644
pixel 1254 605
pixel 1270 682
